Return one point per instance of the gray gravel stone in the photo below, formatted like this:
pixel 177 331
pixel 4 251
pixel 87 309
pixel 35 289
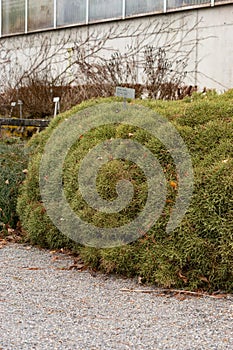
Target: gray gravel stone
pixel 43 305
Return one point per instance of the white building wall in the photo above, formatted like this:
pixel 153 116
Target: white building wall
pixel 215 53
pixel 206 32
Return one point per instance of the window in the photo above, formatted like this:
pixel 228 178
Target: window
pixel 102 9
pixel 40 14
pixel 173 4
pixel 71 12
pixel 143 6
pixel 13 16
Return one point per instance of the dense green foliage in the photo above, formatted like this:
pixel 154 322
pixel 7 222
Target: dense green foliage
pixel 197 254
pixel 13 160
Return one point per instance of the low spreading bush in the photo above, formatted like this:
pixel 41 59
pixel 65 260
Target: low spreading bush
pixel 13 160
pixel 198 254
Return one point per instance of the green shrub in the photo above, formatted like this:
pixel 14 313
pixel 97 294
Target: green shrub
pixel 198 253
pixel 13 160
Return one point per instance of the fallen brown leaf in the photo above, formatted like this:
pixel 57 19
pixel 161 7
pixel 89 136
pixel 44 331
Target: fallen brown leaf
pixel 79 267
pixel 54 258
pixel 183 277
pixel 204 279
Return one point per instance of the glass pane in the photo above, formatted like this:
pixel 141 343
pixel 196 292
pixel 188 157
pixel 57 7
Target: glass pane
pixel 143 6
pixel 102 9
pixel 40 14
pixel 173 4
pixel 71 12
pixel 225 1
pixel 13 16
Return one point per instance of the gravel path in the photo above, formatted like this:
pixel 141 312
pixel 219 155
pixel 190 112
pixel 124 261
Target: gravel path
pixel 46 305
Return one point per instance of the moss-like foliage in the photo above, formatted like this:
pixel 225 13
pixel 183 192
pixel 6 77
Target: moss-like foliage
pixel 196 255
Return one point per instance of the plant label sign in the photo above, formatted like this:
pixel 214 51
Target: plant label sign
pixel 125 92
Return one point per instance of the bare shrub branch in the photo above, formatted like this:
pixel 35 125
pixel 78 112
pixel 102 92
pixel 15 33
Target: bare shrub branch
pixel 152 56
